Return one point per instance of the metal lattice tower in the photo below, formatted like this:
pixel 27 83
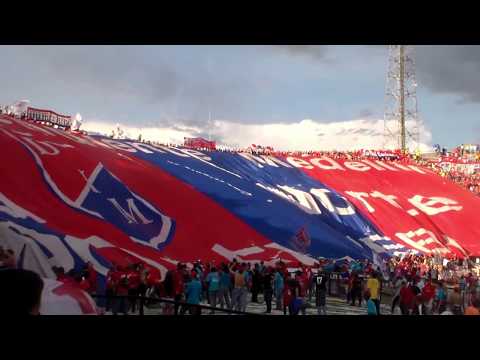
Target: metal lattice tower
pixel 401 122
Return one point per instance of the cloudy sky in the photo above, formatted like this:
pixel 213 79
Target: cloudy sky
pixel 285 96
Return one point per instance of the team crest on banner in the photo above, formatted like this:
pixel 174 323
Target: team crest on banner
pixel 108 196
pixel 301 241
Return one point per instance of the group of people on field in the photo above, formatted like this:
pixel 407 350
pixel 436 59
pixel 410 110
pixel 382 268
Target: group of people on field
pixel 232 285
pixel 418 285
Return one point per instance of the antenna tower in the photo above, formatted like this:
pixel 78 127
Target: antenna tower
pixel 401 122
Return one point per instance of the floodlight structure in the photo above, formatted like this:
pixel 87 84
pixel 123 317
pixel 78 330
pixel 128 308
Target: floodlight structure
pixel 401 121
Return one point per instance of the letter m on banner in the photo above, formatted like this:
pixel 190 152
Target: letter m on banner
pixel 132 211
pixel 117 204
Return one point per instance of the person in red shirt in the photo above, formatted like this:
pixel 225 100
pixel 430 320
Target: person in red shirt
pixel 133 278
pixel 288 295
pixel 407 299
pixel 428 294
pixel 121 290
pixel 302 290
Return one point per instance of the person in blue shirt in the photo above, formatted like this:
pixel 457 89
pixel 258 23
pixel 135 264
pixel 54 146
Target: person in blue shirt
pixel 278 289
pixel 224 287
pixel 371 307
pixel 193 293
pixel 440 298
pixel 213 283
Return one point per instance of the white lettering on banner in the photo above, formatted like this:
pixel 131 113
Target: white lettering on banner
pixel 304 199
pixel 264 159
pixel 385 165
pixel 170 150
pixel 119 145
pixel 197 154
pixel 321 195
pixel 360 196
pixel 47 176
pixel 252 158
pixel 333 164
pixel 273 161
pixel 402 167
pixel 357 166
pixel 46 147
pixel 452 242
pixel 132 208
pixel 306 202
pixel 276 192
pixel 388 198
pixel 429 206
pixel 408 238
pixel 299 163
pixel 414 168
pixel 145 148
pixel 373 165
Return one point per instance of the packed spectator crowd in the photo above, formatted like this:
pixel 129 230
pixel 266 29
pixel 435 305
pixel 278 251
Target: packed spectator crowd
pixel 410 285
pixel 416 284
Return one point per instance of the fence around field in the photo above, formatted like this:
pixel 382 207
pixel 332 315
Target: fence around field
pixel 152 303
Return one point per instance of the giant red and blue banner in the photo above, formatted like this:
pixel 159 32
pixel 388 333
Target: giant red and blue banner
pixel 67 199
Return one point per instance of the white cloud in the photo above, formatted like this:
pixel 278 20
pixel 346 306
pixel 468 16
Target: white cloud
pixel 303 135
pixel 161 134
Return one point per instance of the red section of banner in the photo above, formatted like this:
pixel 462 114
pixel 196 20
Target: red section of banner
pixel 200 223
pixel 411 205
